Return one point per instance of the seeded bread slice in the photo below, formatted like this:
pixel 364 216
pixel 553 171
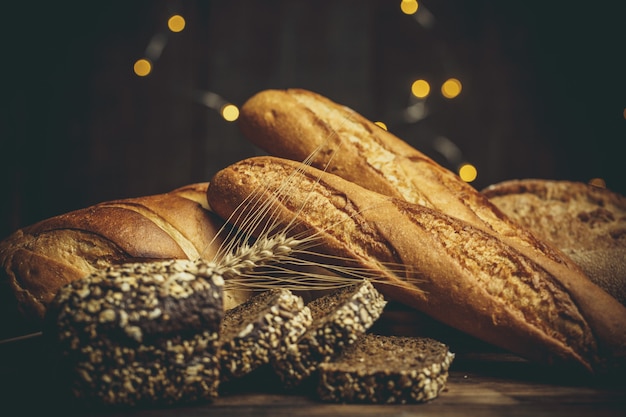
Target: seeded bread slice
pixel 338 319
pixel 266 325
pixel 141 333
pixel 386 370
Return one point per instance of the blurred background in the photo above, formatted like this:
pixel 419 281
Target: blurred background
pixel 116 99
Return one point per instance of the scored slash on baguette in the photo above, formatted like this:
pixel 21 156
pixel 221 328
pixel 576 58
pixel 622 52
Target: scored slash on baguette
pixel 338 319
pixel 266 325
pixel 386 370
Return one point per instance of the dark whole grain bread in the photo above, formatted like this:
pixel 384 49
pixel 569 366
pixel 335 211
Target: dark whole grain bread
pixel 586 222
pixel 339 318
pixel 139 334
pixel 266 325
pixel 386 370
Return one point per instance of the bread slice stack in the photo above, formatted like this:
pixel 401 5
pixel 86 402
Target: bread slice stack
pixel 149 334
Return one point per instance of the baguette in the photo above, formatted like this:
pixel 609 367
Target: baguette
pixel 586 222
pixel 39 259
pixel 296 123
pixel 462 275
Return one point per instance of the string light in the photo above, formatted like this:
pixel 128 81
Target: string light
pixel 468 172
pixel 230 112
pixel 142 67
pixel 176 23
pixel 451 88
pixel 409 6
pixel 420 88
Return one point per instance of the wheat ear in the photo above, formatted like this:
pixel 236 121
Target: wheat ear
pixel 288 260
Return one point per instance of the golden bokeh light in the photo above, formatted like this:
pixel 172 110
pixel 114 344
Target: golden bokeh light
pixel 142 67
pixel 230 112
pixel 409 6
pixel 176 23
pixel 624 112
pixel 420 88
pixel 451 88
pixel 381 125
pixel 468 172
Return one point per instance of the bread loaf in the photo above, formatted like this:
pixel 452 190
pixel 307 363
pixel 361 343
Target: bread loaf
pixel 139 333
pixel 296 124
pixel 462 275
pixel 586 222
pixel 39 259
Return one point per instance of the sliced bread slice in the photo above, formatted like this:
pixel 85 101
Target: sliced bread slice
pixel 338 319
pixel 266 325
pixel 386 370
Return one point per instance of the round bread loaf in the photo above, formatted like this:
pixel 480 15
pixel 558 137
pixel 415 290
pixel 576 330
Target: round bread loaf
pixel 586 222
pixel 386 370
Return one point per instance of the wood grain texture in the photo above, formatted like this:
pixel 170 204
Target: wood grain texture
pixel 481 383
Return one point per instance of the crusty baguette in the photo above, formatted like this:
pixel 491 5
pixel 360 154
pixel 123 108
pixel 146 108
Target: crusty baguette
pixel 468 278
pixel 39 259
pixel 296 123
pixel 586 222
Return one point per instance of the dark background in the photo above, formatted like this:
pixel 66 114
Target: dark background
pixel 544 88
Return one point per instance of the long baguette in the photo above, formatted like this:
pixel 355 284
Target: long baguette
pixel 37 260
pixel 466 277
pixel 296 123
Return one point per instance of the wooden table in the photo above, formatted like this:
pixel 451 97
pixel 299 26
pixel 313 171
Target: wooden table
pixel 491 383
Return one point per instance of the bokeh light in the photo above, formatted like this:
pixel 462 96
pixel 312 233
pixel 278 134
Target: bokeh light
pixel 176 23
pixel 451 88
pixel 230 112
pixel 409 6
pixel 142 67
pixel 468 172
pixel 420 88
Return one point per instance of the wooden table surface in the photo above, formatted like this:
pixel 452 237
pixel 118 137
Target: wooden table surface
pixel 491 383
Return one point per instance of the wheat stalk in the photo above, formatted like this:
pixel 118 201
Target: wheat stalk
pixel 260 254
